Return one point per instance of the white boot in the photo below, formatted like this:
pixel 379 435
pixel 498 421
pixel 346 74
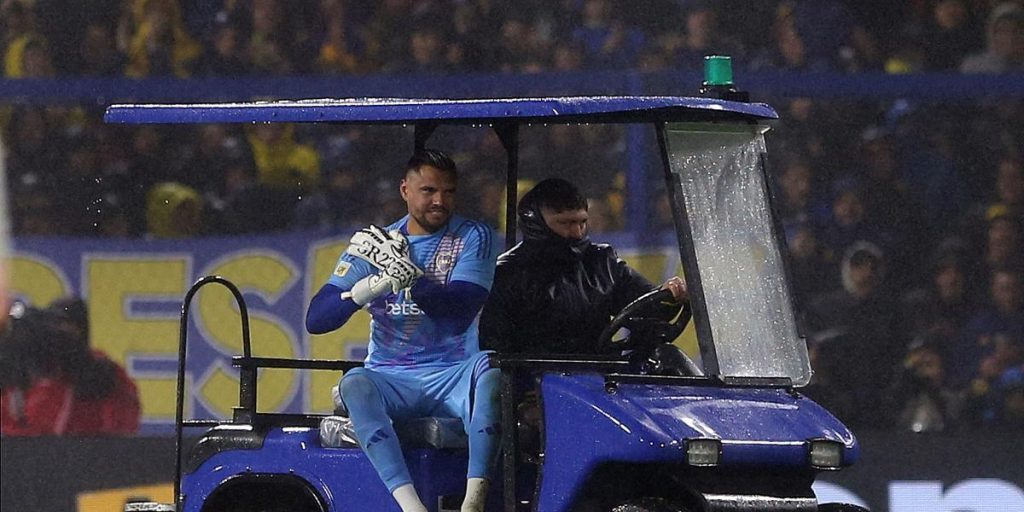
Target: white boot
pixel 407 498
pixel 476 495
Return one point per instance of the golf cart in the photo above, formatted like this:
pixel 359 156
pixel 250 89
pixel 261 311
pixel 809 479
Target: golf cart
pixel 725 429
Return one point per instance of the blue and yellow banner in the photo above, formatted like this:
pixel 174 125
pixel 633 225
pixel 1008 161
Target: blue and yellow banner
pixel 135 288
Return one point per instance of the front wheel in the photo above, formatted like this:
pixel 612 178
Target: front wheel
pixel 840 507
pixel 649 505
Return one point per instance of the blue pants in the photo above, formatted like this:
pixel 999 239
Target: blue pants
pixel 467 390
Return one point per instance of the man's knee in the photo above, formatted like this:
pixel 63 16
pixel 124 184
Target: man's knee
pixel 358 390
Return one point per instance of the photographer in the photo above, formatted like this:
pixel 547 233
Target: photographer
pixel 53 383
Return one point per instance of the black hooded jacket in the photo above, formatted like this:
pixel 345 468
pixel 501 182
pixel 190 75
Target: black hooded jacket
pixel 552 295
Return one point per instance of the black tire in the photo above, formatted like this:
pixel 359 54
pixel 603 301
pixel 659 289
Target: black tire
pixel 649 505
pixel 840 507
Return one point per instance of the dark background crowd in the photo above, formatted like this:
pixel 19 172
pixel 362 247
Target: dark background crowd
pixel 903 218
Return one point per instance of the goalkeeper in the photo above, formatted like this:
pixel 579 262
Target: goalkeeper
pixel 423 280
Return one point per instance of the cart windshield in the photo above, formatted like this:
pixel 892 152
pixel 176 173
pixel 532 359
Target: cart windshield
pixel 745 321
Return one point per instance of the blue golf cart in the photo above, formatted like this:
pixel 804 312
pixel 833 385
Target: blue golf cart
pixel 725 429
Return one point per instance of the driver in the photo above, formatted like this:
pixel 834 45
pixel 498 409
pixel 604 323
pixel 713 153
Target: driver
pixel 556 290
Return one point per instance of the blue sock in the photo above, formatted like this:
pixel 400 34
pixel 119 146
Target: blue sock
pixel 484 428
pixel 374 430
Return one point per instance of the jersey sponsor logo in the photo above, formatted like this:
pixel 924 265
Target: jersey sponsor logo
pixel 402 309
pixel 342 268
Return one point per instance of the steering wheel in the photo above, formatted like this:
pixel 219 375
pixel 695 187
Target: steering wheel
pixel 651 336
pixel 645 329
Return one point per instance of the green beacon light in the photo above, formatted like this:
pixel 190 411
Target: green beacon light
pixel 718 79
pixel 718 71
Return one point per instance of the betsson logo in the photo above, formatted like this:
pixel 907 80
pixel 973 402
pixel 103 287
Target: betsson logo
pixel 973 495
pixel 403 309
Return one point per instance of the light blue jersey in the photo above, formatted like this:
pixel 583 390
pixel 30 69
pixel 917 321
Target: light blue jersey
pixel 401 334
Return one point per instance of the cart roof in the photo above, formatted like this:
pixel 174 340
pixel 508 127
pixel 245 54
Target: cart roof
pixel 604 109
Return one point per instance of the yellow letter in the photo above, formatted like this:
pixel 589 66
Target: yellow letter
pixel 268 276
pixel 113 282
pixel 36 280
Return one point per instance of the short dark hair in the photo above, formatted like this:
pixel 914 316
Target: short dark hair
pixel 433 157
pixel 556 194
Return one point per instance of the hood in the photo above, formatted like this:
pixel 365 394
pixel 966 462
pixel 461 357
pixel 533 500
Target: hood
pixel 653 421
pixel 538 237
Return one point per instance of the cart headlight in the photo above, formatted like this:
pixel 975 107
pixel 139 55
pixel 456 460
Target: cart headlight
pixel 825 454
pixel 703 452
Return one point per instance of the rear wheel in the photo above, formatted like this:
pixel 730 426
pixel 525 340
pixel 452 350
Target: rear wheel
pixel 649 505
pixel 264 493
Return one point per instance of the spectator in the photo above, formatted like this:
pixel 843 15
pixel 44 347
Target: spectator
pixel 810 130
pixel 18 28
pixel 925 402
pixel 98 55
pixel 384 44
pixel 795 46
pixel 287 172
pixel 173 210
pixel 892 204
pixel 847 222
pixel 54 384
pixel 268 48
pixel 1003 247
pixel 146 162
pixel 828 31
pixel 941 308
pixel 567 56
pixel 948 35
pixel 426 52
pixel 859 334
pixel 518 45
pixel 153 36
pixel 703 36
pixel 283 163
pixel 341 201
pixel 1004 43
pixel 985 400
pixel 1009 190
pixel 473 27
pixel 33 60
pixel 607 42
pixel 225 54
pixel 35 148
pixel 977 355
pixel 205 165
pixel 341 47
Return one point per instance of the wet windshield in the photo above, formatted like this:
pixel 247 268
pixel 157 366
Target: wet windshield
pixel 745 321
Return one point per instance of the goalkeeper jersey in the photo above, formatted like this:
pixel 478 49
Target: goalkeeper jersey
pixel 401 334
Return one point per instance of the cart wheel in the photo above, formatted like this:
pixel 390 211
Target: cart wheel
pixel 840 507
pixel 649 505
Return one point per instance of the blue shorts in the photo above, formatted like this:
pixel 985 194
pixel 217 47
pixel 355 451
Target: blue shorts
pixel 444 392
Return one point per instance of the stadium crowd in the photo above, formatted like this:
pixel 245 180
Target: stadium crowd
pixel 903 219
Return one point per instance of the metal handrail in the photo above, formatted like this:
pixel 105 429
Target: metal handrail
pixel 179 412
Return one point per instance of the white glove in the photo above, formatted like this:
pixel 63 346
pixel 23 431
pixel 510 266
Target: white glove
pixel 378 247
pixel 371 287
pixel 403 273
